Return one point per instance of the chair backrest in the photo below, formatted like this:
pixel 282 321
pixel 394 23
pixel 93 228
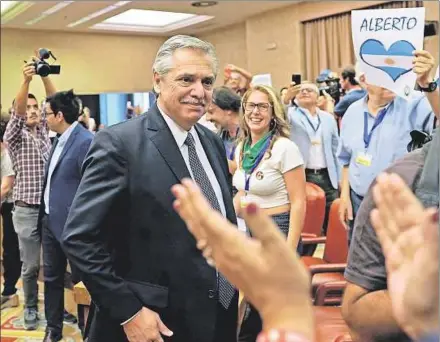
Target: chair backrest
pixel 336 245
pixel 315 209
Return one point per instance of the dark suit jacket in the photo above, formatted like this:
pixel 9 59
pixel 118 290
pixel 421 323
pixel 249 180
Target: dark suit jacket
pixel 130 245
pixel 65 179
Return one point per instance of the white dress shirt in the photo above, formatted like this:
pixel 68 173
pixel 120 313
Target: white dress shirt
pixel 180 135
pixel 316 154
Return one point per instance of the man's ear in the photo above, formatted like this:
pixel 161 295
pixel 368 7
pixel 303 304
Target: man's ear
pixel 156 82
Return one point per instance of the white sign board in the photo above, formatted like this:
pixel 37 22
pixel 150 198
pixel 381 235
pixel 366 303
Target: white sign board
pixel 262 79
pixel 384 41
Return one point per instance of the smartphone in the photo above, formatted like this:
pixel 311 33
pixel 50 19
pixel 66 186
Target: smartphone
pixel 296 78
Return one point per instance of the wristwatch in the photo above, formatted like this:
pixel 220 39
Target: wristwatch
pixel 432 86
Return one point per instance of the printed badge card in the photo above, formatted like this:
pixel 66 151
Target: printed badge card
pixel 384 41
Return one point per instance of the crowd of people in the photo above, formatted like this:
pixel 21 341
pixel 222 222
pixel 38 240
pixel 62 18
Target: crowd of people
pixel 145 211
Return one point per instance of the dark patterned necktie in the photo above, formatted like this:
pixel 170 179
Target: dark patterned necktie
pixel 225 290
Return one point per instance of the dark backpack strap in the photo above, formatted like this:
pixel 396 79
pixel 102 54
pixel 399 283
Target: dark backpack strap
pixel 428 186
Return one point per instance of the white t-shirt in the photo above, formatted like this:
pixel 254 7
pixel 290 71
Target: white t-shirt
pixel 266 185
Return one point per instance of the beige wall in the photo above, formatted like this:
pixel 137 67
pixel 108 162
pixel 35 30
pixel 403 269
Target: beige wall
pixel 90 63
pixel 230 45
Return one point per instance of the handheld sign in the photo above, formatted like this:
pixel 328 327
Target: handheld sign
pixel 384 41
pixel 262 79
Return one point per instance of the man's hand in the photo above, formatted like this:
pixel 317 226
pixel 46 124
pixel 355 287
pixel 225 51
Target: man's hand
pixel 345 209
pixel 265 268
pixel 29 70
pixel 291 93
pixel 423 66
pixel 409 237
pixel 146 326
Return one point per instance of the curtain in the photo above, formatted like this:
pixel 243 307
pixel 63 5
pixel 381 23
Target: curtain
pixel 328 42
pixel 113 108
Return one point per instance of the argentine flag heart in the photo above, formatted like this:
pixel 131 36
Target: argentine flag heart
pixel 396 61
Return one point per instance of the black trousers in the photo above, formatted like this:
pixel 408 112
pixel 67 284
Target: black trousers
pixel 11 252
pixel 54 268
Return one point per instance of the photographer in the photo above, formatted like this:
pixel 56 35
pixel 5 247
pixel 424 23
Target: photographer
pixel 27 136
pixel 353 91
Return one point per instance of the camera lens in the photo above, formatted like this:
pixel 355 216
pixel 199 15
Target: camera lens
pixel 43 69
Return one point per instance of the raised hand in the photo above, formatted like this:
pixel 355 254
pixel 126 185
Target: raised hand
pixel 268 272
pixel 409 237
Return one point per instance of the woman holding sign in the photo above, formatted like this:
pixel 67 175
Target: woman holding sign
pixel 270 166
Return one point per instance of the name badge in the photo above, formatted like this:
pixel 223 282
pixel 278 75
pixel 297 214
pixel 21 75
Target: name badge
pixel 364 159
pixel 244 201
pixel 316 141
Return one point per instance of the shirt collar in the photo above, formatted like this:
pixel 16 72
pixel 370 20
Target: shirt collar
pixel 65 136
pixel 306 111
pixel 365 101
pixel 178 132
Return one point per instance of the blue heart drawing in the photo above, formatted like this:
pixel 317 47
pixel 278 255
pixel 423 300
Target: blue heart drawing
pixel 396 61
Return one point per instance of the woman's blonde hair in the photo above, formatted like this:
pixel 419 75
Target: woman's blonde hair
pixel 279 122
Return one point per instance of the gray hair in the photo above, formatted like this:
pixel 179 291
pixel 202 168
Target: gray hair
pixel 163 62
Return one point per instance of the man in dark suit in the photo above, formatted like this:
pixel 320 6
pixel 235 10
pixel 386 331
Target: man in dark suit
pixel 62 177
pixel 146 277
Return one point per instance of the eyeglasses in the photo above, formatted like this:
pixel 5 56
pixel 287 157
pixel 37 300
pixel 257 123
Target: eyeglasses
pixel 307 90
pixel 49 113
pixel 262 107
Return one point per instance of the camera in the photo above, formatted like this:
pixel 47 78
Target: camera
pixel 43 68
pixel 331 86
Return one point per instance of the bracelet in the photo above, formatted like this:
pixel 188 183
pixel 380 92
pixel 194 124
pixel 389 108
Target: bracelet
pixel 281 336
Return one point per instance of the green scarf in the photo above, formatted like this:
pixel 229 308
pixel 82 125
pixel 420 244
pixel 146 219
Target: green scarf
pixel 251 153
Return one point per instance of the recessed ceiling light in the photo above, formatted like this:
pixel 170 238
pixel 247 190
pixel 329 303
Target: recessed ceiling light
pixel 204 3
pixel 7 4
pixel 147 18
pixel 137 20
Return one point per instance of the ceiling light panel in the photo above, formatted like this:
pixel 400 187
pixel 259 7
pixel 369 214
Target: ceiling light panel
pixel 148 21
pixel 58 7
pixel 7 4
pixel 99 13
pixel 140 17
pixel 11 9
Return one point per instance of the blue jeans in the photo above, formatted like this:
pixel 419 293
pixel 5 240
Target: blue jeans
pixel 356 201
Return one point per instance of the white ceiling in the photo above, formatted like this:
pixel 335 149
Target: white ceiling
pixel 225 13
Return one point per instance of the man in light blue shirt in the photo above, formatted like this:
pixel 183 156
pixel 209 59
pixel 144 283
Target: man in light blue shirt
pixel 375 131
pixel 320 134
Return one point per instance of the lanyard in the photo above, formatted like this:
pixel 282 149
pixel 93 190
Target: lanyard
pixel 315 129
pixel 377 122
pixel 232 153
pixel 247 176
pixel 226 137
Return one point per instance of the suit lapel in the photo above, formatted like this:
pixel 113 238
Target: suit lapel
pixel 164 141
pixel 68 145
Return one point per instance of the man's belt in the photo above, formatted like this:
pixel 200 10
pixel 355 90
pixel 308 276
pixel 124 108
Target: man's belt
pixel 316 171
pixel 26 205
